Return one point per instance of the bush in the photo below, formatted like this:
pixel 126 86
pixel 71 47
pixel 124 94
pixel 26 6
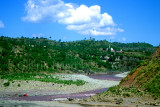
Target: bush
pixel 19 85
pixel 115 90
pixel 126 95
pixel 6 84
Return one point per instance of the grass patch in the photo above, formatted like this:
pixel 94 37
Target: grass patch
pixel 116 90
pixel 125 92
pixel 39 77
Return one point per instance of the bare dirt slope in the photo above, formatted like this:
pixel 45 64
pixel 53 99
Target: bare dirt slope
pixel 147 76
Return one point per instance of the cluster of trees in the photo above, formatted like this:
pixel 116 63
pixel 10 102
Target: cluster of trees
pixel 44 55
pixel 135 46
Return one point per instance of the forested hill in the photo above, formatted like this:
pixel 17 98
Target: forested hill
pixel 44 55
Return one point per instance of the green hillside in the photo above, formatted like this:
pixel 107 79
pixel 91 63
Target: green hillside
pixel 147 76
pixel 141 87
pixel 44 55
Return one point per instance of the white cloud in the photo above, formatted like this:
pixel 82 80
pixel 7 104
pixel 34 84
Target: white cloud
pixel 123 39
pixel 83 19
pixel 83 14
pixel 1 24
pixel 44 10
pixel 112 37
pixel 99 31
pixel 64 38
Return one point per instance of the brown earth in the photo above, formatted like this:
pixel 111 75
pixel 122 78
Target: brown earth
pixel 133 79
pixel 130 80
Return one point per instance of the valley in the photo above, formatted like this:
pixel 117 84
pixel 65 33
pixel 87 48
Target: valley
pixel 84 73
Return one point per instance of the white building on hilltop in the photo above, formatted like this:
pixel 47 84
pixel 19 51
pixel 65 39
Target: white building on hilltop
pixel 112 50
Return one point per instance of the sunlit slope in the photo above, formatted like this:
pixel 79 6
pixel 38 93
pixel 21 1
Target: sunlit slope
pixel 146 76
pixel 44 55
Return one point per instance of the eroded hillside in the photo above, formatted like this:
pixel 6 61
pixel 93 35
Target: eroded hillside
pixel 146 76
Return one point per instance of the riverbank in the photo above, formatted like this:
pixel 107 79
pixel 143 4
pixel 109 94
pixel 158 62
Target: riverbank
pixel 11 103
pixel 118 102
pixel 41 94
pixel 37 88
pixel 121 97
pixel 125 98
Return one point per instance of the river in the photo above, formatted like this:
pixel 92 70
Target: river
pixel 80 95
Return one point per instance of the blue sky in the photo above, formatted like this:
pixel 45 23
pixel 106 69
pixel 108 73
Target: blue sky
pixel 69 20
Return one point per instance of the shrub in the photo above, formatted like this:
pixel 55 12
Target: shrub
pixel 115 90
pixel 19 85
pixel 6 84
pixel 126 95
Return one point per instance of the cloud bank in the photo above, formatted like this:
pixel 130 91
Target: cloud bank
pixel 83 19
pixel 1 24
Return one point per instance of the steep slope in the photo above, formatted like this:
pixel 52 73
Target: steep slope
pixel 146 76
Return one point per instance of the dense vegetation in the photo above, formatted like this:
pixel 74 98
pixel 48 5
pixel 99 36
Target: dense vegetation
pixel 38 77
pixel 45 55
pixel 134 46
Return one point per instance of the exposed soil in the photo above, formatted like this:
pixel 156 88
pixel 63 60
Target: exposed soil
pixel 129 79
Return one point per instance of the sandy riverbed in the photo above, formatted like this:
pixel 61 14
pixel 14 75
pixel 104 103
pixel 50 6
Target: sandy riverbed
pixel 37 88
pixel 11 103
